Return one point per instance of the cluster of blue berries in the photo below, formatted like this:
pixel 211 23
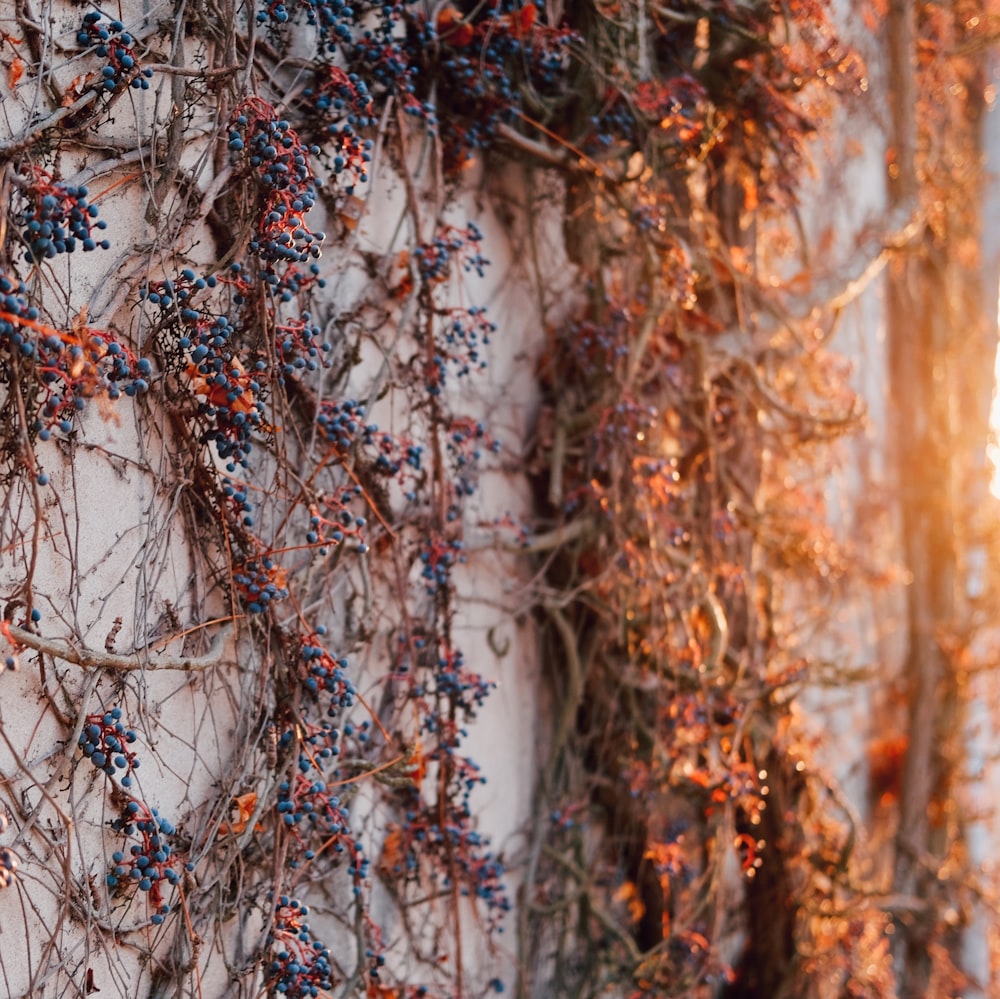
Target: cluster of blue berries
pixel 336 523
pixel 437 560
pixel 55 218
pixel 597 349
pixel 324 678
pixel 271 150
pixel 236 494
pixel 299 347
pixel 291 280
pixel 467 438
pixel 150 863
pixel 673 106
pixel 334 19
pixel 111 41
pixel 457 853
pixel 230 406
pixel 15 316
pixel 260 582
pixel 394 456
pixel 488 62
pixel 300 966
pixel 615 124
pixel 342 422
pixel 383 54
pixel 625 421
pixel 179 294
pixel 307 801
pixel 464 444
pixel 8 859
pixel 446 693
pixel 465 691
pixel 105 741
pixel 70 367
pixel 343 105
pixel 75 367
pixel 465 332
pixel 480 873
pixel 435 259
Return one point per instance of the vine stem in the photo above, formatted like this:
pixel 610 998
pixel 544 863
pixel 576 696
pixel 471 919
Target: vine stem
pixel 79 655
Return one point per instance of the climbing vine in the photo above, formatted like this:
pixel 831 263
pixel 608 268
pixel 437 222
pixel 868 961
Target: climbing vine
pixel 260 407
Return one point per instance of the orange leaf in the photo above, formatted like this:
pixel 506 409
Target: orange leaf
pixel 416 764
pixel 453 29
pixel 244 805
pixel 522 21
pixel 16 71
pixel 392 859
pixel 629 894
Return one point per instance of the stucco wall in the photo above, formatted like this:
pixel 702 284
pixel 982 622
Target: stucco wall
pixel 102 521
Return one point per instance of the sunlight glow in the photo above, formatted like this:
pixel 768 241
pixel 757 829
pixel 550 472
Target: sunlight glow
pixel 993 445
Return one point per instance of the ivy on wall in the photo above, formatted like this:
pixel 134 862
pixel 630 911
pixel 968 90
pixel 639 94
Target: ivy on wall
pixel 684 843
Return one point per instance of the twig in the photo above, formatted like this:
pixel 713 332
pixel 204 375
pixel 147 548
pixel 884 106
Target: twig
pixel 10 147
pixel 140 660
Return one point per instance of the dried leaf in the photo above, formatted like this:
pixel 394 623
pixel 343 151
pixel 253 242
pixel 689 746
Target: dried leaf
pixel 16 71
pixel 244 806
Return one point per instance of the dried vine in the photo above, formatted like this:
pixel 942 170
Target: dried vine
pixel 192 413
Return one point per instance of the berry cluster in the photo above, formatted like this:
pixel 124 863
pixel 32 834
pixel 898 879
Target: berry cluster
pixel 343 426
pixel 626 420
pixel 458 854
pixel 179 294
pixel 105 741
pixel 334 19
pixel 597 349
pixel 260 582
pixel 70 366
pixel 394 456
pixel 111 41
pixel 270 149
pixel 489 62
pixel 465 691
pixel 465 332
pixel 384 55
pixel 229 397
pixel 335 522
pixel 324 678
pixel 440 831
pixel 79 365
pixel 498 65
pixel 8 859
pixel 228 400
pixel 323 739
pixel 435 259
pixel 342 104
pixel 464 445
pixel 239 506
pixel 307 802
pixel 616 124
pixel 300 966
pixel 299 347
pixel 437 560
pixel 55 218
pixel 15 317
pixel 151 862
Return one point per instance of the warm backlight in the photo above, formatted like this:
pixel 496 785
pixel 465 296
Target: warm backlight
pixel 993 446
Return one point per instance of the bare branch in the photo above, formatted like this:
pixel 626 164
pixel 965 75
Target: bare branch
pixel 143 659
